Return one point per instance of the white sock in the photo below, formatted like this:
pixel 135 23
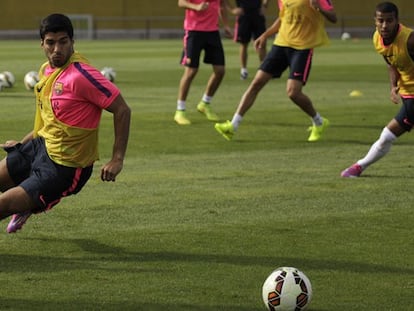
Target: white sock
pixel 243 70
pixel 379 149
pixel 207 99
pixel 317 119
pixel 180 104
pixel 236 121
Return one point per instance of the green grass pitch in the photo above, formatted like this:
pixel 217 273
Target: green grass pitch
pixel 197 223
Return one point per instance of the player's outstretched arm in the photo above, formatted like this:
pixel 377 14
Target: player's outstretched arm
pixel 122 118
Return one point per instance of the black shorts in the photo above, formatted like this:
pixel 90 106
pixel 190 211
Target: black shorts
pixel 45 181
pixel 405 116
pixel 197 41
pixel 280 58
pixel 249 25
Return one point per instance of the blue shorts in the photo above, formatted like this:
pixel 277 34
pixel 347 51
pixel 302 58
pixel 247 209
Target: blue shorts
pixel 280 58
pixel 46 182
pixel 405 116
pixel 197 41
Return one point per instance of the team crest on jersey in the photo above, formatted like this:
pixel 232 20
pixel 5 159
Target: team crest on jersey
pixel 58 88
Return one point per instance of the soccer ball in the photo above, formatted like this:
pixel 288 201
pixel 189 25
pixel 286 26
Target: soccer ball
pixel 287 289
pixel 30 80
pixel 345 36
pixel 7 79
pixel 109 73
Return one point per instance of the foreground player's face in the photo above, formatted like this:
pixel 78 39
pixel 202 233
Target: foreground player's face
pixel 58 48
pixel 387 25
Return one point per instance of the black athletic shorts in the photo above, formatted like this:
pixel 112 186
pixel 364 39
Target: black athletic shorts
pixel 45 181
pixel 249 26
pixel 405 116
pixel 280 58
pixel 197 41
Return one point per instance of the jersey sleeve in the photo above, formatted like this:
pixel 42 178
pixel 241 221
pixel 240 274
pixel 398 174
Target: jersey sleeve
pixel 326 5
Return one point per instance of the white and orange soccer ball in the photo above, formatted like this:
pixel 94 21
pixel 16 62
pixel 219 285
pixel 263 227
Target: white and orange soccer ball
pixel 287 289
pixel 30 80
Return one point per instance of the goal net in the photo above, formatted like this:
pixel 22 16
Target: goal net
pixel 82 26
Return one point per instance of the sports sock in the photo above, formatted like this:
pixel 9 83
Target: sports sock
pixel 180 104
pixel 317 119
pixel 236 121
pixel 207 99
pixel 379 149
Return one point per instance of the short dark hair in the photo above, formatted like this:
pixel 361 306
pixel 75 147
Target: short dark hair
pixel 56 23
pixel 387 7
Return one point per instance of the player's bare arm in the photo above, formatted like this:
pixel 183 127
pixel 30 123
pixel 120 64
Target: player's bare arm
pixel 394 89
pixel 224 18
pixel 273 29
pixel 122 118
pixel 330 15
pixel 192 6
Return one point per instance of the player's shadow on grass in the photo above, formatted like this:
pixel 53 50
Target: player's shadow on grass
pixel 96 251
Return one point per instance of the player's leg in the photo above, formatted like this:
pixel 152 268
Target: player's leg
pixel 190 59
pixel 5 181
pixel 227 129
pixel 14 200
pixel 319 124
pixel 300 66
pixel 185 82
pixel 204 106
pixel 403 122
pixel 243 37
pixel 273 66
pixel 243 54
pixel 214 55
pixel 18 203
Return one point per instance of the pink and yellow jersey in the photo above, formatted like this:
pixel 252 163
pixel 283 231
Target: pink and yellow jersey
pixel 396 54
pixel 207 20
pixel 69 107
pixel 302 27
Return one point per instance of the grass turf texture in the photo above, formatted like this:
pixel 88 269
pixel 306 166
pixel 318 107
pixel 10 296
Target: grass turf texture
pixel 197 223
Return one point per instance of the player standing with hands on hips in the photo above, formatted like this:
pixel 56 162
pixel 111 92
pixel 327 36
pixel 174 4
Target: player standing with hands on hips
pixel 56 159
pixel 395 42
pixel 201 26
pixel 300 28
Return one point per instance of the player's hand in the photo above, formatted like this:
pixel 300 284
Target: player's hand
pixel 237 11
pixel 202 6
pixel 260 43
pixel 9 143
pixel 111 169
pixel 228 33
pixel 395 96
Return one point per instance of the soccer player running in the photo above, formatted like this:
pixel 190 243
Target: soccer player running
pixel 201 26
pixel 56 159
pixel 300 28
pixel 250 23
pixel 395 42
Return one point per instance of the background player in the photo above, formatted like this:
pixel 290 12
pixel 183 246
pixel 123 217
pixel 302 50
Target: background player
pixel 201 26
pixel 250 23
